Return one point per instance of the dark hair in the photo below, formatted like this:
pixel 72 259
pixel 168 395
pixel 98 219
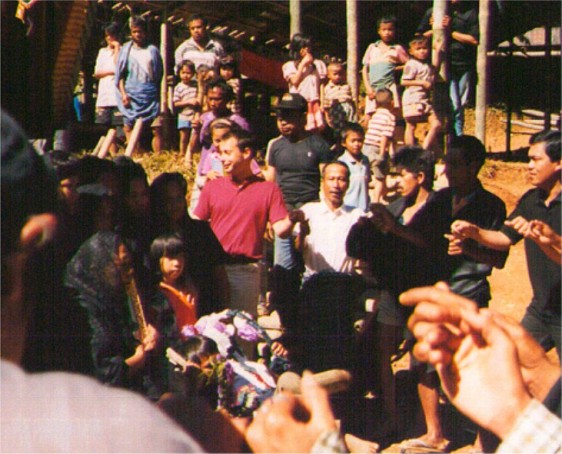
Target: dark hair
pixel 416 159
pixel 244 139
pixel 159 217
pixel 299 41
pixel 551 139
pixel 228 61
pixel 468 148
pixel 220 83
pixel 383 97
pixel 195 17
pixel 336 163
pixel 127 171
pixel 137 21
pixel 351 127
pixel 113 29
pixel 419 39
pixel 194 347
pixel 387 19
pixel 190 65
pixel 65 164
pixel 168 245
pixel 29 184
pixel 91 168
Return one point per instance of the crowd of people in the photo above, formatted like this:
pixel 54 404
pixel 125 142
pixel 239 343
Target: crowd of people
pixel 109 276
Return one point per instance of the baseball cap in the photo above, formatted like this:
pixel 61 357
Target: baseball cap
pixel 291 101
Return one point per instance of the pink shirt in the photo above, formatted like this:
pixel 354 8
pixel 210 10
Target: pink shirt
pixel 309 87
pixel 239 214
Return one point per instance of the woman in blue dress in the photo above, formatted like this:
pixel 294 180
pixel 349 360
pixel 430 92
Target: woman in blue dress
pixel 138 76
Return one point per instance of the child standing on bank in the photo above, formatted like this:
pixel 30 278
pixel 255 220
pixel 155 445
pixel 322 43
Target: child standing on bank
pixel 418 78
pixel 380 62
pixel 186 99
pixel 352 138
pixel 380 133
pixel 337 100
pixel 305 75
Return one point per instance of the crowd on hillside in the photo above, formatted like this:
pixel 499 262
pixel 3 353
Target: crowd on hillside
pixel 340 238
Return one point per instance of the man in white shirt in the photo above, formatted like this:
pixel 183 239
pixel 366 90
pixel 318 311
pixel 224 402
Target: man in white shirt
pixel 199 48
pixel 324 225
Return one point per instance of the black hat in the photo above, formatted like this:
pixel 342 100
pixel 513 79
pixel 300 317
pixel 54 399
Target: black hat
pixel 291 101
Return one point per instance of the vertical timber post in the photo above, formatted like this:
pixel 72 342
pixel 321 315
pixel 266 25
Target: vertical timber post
pixel 482 71
pixel 295 17
pixel 352 71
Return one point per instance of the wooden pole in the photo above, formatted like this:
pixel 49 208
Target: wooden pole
pixel 440 38
pixel 482 71
pixel 134 138
pixel 352 70
pixel 295 16
pixel 165 60
pixel 164 106
pixel 439 60
pixel 549 70
pixel 107 143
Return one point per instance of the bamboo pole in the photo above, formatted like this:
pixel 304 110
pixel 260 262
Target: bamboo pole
pixel 134 138
pixel 482 71
pixel 109 138
pixel 98 146
pixel 352 70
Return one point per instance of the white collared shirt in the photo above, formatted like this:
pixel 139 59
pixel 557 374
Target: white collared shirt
pixel 324 246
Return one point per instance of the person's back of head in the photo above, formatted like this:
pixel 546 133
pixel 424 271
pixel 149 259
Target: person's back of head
pixel 128 170
pixel 551 139
pixel 467 148
pixel 197 349
pixel 384 98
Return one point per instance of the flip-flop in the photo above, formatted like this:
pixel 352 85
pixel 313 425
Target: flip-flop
pixel 417 445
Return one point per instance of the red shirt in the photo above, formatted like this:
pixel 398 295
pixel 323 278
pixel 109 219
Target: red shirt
pixel 238 214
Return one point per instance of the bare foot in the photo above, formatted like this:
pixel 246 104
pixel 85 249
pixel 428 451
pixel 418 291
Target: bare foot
pixel 426 442
pixel 358 445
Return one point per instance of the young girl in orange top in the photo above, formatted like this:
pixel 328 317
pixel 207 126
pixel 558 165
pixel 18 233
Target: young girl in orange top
pixel 175 285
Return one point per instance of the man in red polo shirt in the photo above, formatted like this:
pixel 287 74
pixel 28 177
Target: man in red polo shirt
pixel 238 208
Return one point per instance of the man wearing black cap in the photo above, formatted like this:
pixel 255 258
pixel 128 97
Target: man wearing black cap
pixel 294 162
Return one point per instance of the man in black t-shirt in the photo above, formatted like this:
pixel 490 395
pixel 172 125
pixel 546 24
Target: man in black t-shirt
pixel 294 162
pixel 538 205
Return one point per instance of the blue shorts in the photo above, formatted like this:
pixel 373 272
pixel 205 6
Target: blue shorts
pixel 184 124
